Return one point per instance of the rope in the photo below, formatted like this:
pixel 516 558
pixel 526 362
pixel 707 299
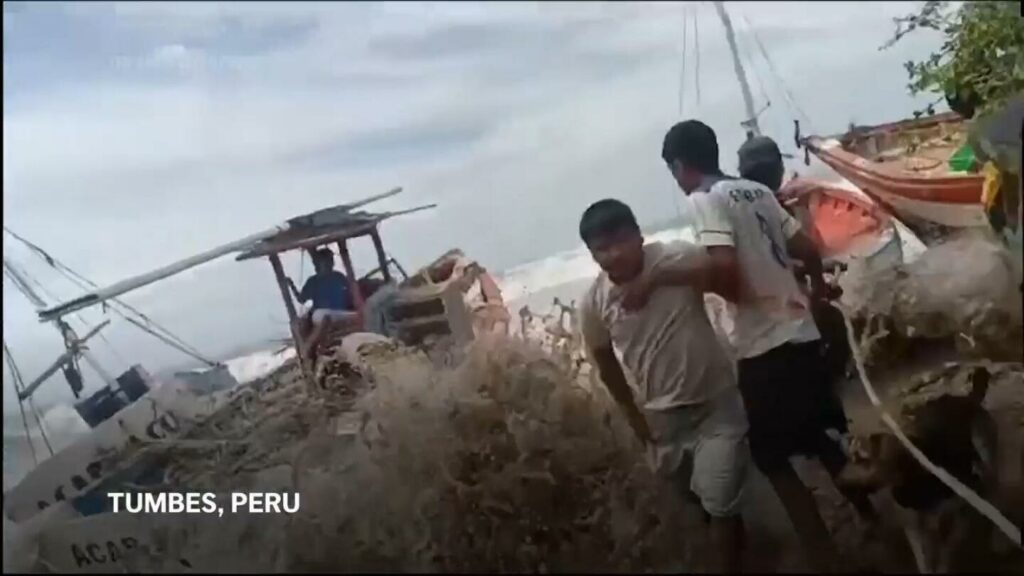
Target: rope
pixel 15 377
pixel 185 350
pixel 977 502
pixel 696 47
pixel 86 284
pixel 39 424
pixel 790 100
pixel 682 72
pixel 750 61
pixel 21 278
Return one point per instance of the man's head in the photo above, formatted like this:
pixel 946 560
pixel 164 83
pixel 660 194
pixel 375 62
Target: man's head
pixel 323 261
pixel 761 161
pixel 691 151
pixel 610 231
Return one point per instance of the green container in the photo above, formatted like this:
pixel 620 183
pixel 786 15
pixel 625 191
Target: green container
pixel 963 160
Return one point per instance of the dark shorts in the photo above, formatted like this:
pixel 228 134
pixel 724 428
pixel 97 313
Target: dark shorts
pixel 790 404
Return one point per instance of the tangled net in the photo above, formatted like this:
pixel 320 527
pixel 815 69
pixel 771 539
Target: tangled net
pixel 963 290
pixel 502 463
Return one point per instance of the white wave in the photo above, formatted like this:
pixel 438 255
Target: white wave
pixel 565 267
pixel 259 364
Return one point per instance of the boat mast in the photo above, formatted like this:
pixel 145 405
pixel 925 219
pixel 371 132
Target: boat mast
pixel 748 100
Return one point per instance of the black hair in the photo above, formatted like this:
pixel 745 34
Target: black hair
pixel 693 143
pixel 606 217
pixel 324 254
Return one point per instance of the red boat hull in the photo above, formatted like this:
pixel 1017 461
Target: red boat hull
pixel 942 197
pixel 842 225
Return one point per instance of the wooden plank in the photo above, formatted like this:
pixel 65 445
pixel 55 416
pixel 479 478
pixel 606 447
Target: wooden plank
pixel 350 272
pixel 293 317
pixel 382 258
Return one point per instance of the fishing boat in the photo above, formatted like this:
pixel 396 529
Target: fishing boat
pixel 843 224
pixel 61 503
pixel 910 168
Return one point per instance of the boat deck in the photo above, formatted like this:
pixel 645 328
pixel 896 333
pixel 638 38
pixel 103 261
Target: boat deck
pixel 922 152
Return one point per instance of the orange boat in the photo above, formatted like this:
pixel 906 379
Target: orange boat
pixel 904 166
pixel 843 223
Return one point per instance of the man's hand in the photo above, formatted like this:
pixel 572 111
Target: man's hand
pixel 636 294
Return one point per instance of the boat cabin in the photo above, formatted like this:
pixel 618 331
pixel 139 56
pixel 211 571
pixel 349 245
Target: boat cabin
pixel 332 226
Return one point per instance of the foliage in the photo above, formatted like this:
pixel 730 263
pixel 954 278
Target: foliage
pixel 981 61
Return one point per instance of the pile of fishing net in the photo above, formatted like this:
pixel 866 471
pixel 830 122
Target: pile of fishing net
pixel 963 290
pixel 501 463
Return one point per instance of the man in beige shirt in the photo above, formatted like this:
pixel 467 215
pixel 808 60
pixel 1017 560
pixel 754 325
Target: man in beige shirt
pixel 681 398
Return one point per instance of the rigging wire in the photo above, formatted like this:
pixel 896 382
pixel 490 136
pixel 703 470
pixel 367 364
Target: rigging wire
pixel 750 63
pixel 790 99
pixel 682 72
pixel 696 46
pixel 39 424
pixel 169 337
pixel 21 277
pixel 20 383
pixel 21 404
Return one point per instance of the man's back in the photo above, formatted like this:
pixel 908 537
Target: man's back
pixel 772 309
pixel 669 345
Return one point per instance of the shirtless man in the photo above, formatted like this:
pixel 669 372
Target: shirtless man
pixel 792 409
pixel 682 400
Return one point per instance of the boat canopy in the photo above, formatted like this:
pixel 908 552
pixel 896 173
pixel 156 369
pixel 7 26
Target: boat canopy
pixel 322 228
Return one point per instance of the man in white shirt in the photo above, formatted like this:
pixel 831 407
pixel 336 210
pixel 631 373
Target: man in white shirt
pixel 791 407
pixel 681 398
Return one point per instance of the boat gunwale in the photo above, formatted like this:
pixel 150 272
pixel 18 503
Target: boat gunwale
pixel 947 188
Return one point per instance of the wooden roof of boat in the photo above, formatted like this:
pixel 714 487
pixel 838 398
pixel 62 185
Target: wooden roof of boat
pixel 325 226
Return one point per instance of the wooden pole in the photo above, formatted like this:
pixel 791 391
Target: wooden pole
pixel 381 256
pixel 748 100
pixel 357 295
pixel 293 317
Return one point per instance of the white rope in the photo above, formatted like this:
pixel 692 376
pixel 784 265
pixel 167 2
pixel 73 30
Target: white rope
pixel 980 504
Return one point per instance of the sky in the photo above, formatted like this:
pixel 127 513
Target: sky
pixel 136 134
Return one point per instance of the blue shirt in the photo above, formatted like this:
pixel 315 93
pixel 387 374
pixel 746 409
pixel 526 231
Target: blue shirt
pixel 328 291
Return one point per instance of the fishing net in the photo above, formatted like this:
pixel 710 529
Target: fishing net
pixel 504 462
pixel 964 289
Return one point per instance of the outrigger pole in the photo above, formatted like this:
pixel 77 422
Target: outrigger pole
pixel 115 290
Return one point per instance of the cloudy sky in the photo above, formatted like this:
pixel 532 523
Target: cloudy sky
pixel 138 134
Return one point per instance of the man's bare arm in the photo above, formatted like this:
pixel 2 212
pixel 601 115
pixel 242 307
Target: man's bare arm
pixel 718 273
pixel 610 370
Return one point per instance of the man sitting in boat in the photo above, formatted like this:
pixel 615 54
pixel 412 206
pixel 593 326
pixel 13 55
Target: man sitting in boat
pixel 332 300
